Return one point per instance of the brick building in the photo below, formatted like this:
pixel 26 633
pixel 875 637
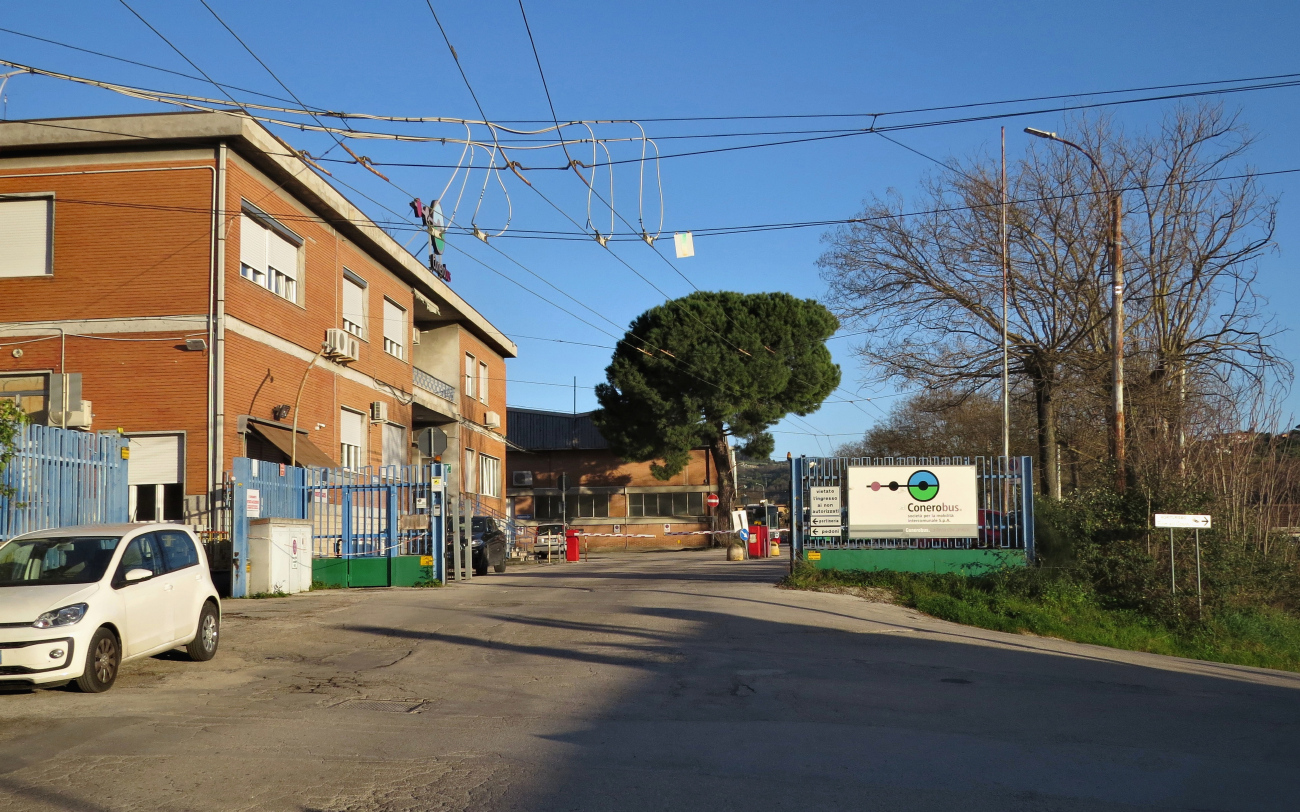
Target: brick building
pixel 561 470
pixel 174 275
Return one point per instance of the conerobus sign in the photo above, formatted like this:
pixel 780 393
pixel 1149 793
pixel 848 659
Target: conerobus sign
pixel 937 501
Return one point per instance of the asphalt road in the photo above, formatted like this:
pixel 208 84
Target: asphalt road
pixel 649 682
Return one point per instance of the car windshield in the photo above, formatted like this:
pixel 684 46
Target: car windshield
pixel 41 562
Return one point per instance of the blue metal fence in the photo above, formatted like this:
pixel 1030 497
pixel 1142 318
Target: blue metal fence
pixel 1005 491
pixel 355 512
pixel 60 478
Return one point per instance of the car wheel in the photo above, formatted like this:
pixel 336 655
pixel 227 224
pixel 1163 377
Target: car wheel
pixel 102 662
pixel 499 567
pixel 480 568
pixel 204 645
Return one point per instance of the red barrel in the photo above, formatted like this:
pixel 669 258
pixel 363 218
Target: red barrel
pixel 571 545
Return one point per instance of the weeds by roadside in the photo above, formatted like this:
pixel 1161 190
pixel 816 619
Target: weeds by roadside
pixel 1054 603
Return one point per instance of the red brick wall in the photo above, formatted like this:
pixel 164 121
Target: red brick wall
pixel 125 244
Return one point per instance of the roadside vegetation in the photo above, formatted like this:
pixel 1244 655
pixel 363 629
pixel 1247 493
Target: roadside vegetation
pixel 921 282
pixel 1104 579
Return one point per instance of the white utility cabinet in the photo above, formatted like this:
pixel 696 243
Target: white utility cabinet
pixel 279 554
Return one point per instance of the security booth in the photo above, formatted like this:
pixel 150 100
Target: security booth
pixel 912 514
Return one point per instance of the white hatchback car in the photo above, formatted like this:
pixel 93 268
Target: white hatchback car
pixel 77 602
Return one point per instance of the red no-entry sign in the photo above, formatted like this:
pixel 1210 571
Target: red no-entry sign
pixel 712 500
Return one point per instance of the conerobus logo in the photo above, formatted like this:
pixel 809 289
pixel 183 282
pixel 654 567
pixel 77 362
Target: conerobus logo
pixel 923 486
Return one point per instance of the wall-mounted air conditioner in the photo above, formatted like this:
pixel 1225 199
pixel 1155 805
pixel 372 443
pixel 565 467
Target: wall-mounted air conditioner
pixel 341 346
pixel 81 418
pixel 378 411
pixel 492 420
pixel 523 479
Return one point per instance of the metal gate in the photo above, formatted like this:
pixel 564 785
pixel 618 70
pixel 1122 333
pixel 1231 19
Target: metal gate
pixel 58 478
pixel 363 519
pixel 1004 490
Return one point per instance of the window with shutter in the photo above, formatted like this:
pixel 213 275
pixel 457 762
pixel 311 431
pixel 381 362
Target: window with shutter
pixel 351 438
pixel 354 305
pixel 394 330
pixel 267 256
pixel 394 445
pixel 25 236
pixel 470 372
pixel 489 475
pixel 483 382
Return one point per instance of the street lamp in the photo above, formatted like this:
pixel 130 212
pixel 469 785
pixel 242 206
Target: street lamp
pixel 1117 305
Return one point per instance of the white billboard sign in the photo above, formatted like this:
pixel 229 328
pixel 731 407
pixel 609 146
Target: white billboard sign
pixel 895 501
pixel 1183 520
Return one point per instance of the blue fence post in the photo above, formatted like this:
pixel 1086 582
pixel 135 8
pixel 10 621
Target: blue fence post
pixel 1027 505
pixel 438 523
pixel 393 531
pixel 241 472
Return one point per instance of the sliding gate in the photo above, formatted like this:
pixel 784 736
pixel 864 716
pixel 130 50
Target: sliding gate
pixel 373 526
pixel 914 514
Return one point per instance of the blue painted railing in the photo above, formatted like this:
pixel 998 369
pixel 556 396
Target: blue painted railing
pixel 60 478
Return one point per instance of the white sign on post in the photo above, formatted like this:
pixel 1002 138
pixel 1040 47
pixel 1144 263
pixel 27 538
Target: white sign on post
pixel 253 504
pixel 739 520
pixel 1188 520
pixel 824 514
pixel 935 501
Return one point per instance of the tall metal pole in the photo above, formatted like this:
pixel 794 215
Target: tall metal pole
pixel 1117 335
pixel 1006 273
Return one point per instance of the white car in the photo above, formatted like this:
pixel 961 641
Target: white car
pixel 77 602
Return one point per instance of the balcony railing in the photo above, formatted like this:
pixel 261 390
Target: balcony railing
pixel 437 386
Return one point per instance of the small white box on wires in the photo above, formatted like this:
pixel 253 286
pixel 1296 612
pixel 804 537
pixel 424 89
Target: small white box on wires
pixel 685 244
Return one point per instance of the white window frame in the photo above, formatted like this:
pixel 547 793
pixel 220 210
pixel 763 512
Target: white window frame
pixel 395 335
pixel 255 225
pixel 489 475
pixel 470 483
pixel 483 382
pixel 471 373
pixel 356 328
pixel 36 266
pixel 352 456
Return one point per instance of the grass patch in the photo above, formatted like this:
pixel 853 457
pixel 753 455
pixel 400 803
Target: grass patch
pixel 1054 604
pixel 319 585
pixel 257 596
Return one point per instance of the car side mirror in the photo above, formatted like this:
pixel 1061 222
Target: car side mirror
pixel 137 574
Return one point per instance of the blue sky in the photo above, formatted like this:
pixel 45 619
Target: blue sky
pixel 625 60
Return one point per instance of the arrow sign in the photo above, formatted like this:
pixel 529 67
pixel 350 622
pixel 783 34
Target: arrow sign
pixel 1188 520
pixel 744 534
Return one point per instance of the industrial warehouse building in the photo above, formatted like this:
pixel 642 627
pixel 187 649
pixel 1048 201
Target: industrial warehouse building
pixel 561 470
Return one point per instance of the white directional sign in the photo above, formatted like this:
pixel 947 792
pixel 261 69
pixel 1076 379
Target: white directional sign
pixel 1191 520
pixel 824 514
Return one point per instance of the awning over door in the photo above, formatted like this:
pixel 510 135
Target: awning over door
pixel 308 453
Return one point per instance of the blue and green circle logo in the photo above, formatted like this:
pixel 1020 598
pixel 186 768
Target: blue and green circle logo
pixel 923 486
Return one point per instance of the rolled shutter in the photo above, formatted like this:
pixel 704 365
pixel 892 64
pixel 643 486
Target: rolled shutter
pixel 282 255
pixel 25 237
pixel 155 460
pixel 252 243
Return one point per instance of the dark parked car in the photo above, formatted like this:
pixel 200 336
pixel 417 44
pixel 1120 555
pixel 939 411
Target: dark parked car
pixel 488 542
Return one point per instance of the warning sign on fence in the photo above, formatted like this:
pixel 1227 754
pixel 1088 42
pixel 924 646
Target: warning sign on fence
pixel 253 504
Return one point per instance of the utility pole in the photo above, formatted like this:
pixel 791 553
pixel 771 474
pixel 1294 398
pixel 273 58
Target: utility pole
pixel 1006 274
pixel 1115 256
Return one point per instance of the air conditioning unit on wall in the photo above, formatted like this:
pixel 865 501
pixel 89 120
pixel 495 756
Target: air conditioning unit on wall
pixel 341 346
pixel 80 418
pixel 492 420
pixel 523 479
pixel 378 411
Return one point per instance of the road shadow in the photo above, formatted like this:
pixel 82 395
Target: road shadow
pixel 706 709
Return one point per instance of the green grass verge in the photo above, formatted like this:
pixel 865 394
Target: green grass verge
pixel 1055 605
